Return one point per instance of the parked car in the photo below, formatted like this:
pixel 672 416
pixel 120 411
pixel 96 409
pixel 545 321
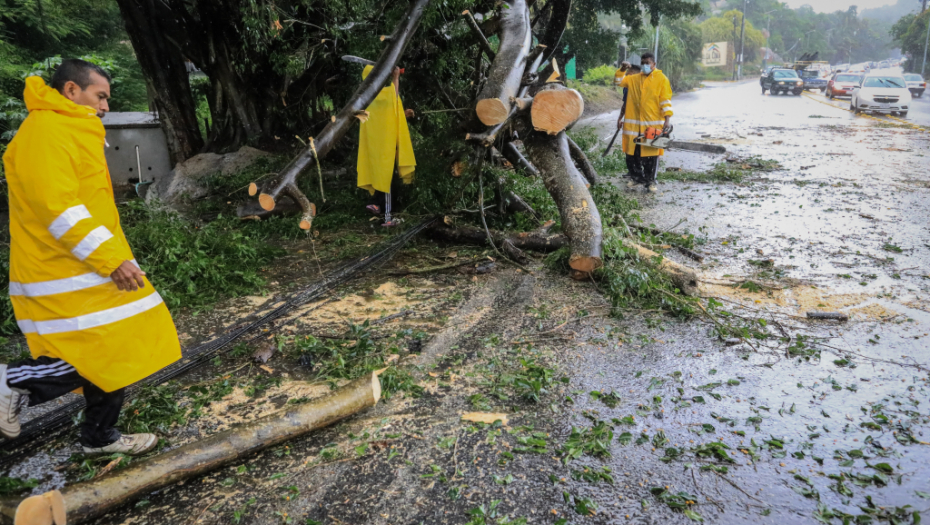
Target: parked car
pixel 881 93
pixel 813 80
pixel 915 84
pixel 842 84
pixel 782 81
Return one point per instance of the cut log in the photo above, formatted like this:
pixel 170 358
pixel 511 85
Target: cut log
pixel 91 499
pixel 522 103
pixel 516 158
pixel 506 71
pixel 343 121
pixel 483 40
pixel 582 162
pixel 581 220
pixel 554 110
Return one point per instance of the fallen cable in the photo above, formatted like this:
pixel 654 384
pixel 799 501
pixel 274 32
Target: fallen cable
pixel 57 422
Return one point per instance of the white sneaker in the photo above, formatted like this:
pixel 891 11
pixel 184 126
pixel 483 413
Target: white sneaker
pixel 129 444
pixel 632 184
pixel 653 188
pixel 12 401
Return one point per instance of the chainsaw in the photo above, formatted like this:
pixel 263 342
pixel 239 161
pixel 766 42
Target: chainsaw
pixel 654 139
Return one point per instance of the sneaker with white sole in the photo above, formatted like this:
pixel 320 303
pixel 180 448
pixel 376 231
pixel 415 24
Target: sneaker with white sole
pixel 129 444
pixel 632 184
pixel 652 188
pixel 12 401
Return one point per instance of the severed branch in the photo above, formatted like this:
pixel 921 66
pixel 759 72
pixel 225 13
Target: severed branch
pixel 345 119
pixel 512 154
pixel 555 108
pixel 266 209
pixel 91 499
pixel 582 162
pixel 483 40
pixel 506 73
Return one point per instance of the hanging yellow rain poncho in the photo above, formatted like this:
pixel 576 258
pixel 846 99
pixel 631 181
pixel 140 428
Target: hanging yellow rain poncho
pixel 382 136
pixel 66 240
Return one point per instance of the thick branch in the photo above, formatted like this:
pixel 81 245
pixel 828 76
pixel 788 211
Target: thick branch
pixel 506 71
pixel 361 99
pixel 558 21
pixel 555 109
pixel 86 501
pixel 580 218
pixel 483 40
pixel 535 241
pixel 581 160
pixel 516 158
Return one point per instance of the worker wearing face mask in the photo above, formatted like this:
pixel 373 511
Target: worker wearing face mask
pixel 648 111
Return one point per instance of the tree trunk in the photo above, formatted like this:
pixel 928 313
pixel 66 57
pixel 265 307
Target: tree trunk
pixel 91 499
pixel 166 73
pixel 504 78
pixel 581 221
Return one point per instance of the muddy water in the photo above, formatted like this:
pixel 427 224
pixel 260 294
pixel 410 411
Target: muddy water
pixel 844 224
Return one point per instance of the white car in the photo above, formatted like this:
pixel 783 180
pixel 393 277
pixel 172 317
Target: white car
pixel 915 84
pixel 881 93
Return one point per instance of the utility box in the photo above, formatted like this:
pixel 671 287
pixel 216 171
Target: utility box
pixel 137 150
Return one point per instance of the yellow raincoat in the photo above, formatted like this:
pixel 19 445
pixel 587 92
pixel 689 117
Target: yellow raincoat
pixel 648 103
pixel 66 241
pixel 384 134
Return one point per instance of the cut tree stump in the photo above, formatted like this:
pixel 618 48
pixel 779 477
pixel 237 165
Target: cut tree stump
pixel 91 499
pixel 554 110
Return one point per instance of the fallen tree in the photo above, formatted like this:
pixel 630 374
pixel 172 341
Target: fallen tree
pixel 85 501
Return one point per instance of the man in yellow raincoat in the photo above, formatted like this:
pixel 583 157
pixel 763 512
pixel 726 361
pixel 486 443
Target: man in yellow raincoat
pixel 384 145
pixel 648 111
pixel 91 318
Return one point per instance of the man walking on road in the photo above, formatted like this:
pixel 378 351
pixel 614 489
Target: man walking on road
pixel 91 319
pixel 648 111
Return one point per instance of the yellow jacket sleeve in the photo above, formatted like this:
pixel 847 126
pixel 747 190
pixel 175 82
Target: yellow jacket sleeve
pixel 51 192
pixel 619 76
pixel 665 99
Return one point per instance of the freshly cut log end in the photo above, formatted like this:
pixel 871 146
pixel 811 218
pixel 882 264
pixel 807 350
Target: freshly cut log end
pixel 584 263
pixel 554 110
pixel 492 111
pixel 362 115
pixel 44 509
pixel 578 275
pixel 253 189
pixel 266 201
pixel 306 222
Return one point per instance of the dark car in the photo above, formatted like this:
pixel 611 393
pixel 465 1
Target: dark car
pixel 782 81
pixel 812 80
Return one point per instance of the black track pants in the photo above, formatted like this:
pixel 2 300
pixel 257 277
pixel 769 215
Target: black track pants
pixel 643 170
pixel 47 378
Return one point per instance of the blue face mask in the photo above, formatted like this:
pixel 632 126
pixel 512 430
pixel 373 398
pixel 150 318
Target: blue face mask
pixel 647 69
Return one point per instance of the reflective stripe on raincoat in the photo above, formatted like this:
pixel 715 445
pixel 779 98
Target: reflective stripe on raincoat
pixel 381 137
pixel 66 240
pixel 648 103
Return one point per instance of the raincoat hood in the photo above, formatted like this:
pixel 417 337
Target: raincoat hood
pixel 39 96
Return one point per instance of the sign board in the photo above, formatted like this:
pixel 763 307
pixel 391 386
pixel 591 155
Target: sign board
pixel 714 54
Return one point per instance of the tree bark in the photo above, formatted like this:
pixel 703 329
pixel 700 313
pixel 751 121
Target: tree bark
pixel 582 162
pixel 91 499
pixel 516 158
pixel 535 241
pixel 483 40
pixel 581 220
pixel 361 99
pixel 558 21
pixel 166 74
pixel 507 70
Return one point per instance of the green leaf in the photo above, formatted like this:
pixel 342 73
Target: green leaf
pixel 694 516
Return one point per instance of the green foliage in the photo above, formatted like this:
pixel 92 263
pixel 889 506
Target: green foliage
pixel 680 45
pixel 603 75
pixel 720 29
pixel 9 486
pixel 594 441
pixel 910 33
pixel 195 265
pixel 153 409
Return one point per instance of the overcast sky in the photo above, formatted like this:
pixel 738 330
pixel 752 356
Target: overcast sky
pixel 829 6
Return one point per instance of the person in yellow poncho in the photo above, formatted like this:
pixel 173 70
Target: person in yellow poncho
pixel 648 112
pixel 383 147
pixel 91 318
